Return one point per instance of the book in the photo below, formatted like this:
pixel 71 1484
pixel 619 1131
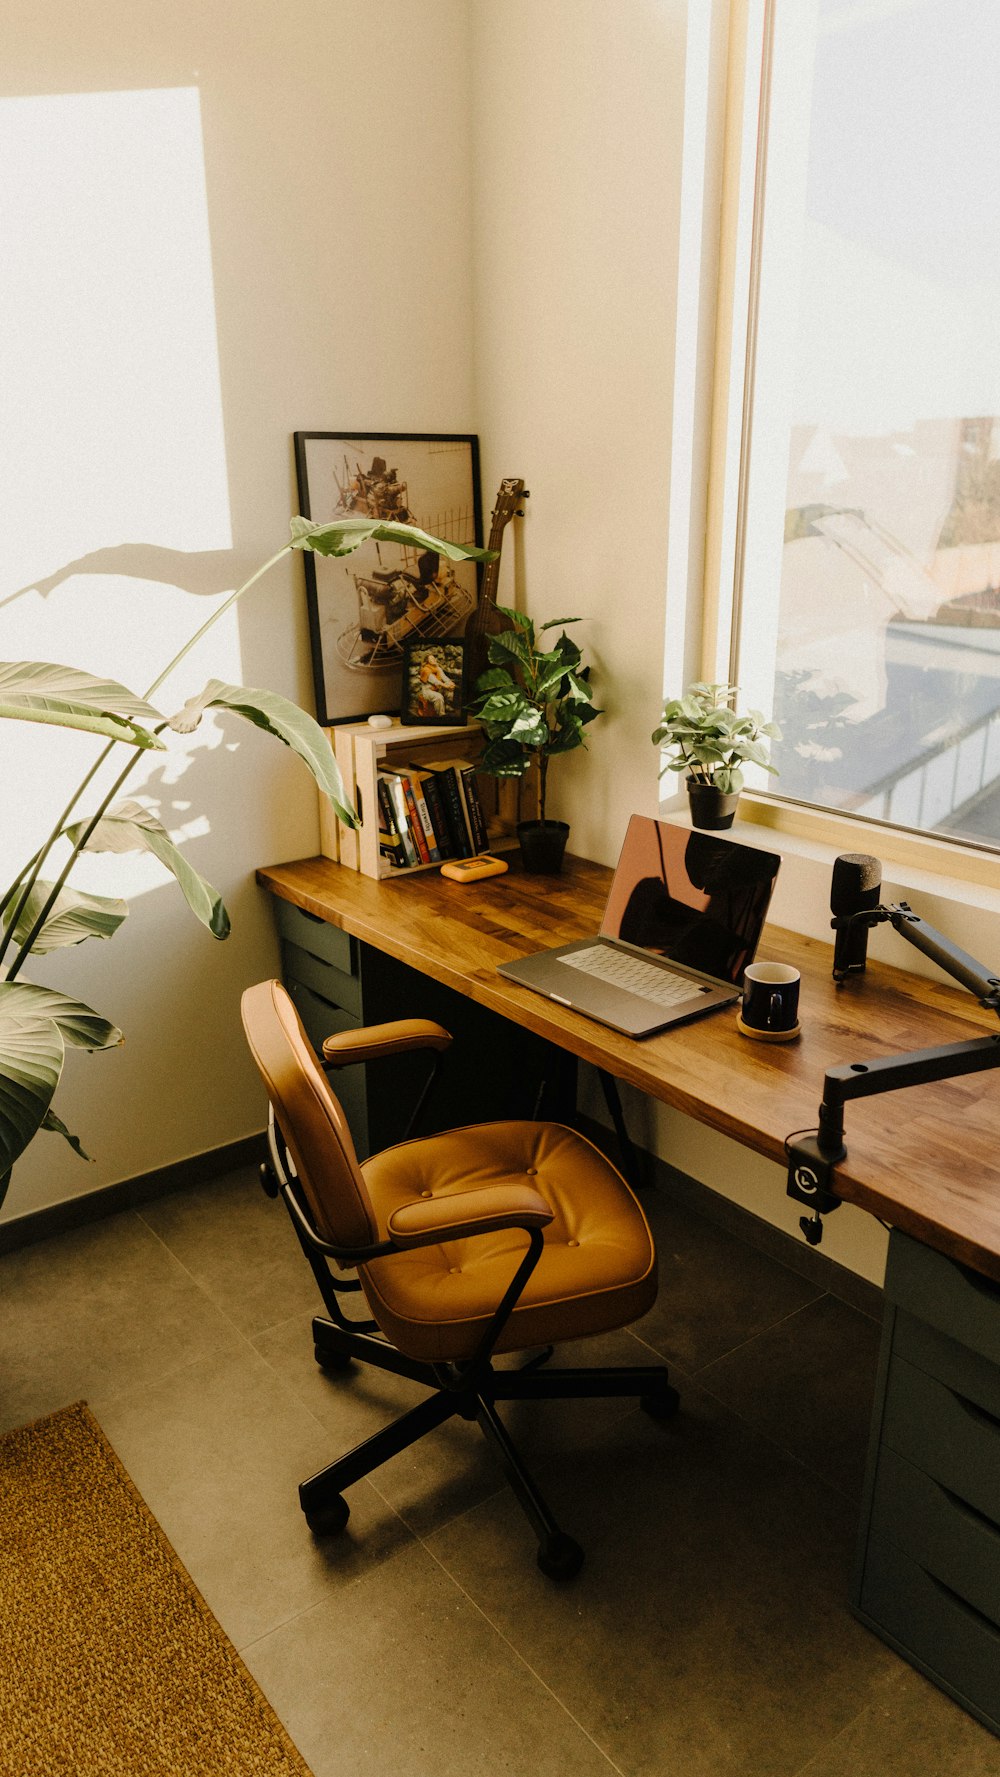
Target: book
pixel 401 814
pixel 390 840
pixel 415 778
pixel 416 826
pixel 428 800
pixel 447 778
pixel 474 808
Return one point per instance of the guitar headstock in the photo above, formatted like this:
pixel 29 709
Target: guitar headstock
pixel 507 505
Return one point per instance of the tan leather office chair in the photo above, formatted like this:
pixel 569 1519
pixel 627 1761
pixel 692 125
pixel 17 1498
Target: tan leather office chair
pixel 494 1238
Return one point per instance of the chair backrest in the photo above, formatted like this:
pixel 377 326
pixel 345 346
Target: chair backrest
pixel 310 1119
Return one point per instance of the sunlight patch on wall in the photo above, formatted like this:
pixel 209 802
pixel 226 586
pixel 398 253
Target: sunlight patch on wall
pixel 117 536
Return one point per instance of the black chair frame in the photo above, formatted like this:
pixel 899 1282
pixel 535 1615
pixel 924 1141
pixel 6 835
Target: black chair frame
pixel 468 1390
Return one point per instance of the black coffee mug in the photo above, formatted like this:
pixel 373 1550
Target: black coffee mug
pixel 770 1000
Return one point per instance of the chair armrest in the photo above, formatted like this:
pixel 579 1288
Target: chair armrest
pixel 374 1041
pixel 428 1220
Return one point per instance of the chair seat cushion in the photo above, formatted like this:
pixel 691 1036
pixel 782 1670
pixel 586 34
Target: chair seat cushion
pixel 597 1270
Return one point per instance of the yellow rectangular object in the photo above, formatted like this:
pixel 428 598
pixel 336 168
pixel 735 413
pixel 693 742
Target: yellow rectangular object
pixel 473 869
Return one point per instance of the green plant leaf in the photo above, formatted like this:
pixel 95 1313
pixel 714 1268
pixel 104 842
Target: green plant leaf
pixel 504 706
pixel 74 917
pixel 130 827
pixel 36 1023
pixel 37 691
pixel 504 758
pixel 51 1122
pixel 519 620
pixel 343 535
pixel 555 622
pixel 278 716
pixel 530 729
pixel 511 643
pixel 496 678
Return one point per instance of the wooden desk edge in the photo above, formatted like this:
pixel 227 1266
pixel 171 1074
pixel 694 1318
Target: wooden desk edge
pixel 601 1048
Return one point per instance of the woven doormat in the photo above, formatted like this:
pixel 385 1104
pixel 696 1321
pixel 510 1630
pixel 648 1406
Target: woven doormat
pixel 111 1663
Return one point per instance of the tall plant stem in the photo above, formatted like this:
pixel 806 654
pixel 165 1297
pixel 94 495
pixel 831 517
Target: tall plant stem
pixel 60 882
pixel 220 612
pixel 40 856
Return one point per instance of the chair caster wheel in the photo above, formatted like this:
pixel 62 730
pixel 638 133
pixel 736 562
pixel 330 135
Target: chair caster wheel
pixel 661 1405
pixel 329 1519
pixel 334 1363
pixel 560 1558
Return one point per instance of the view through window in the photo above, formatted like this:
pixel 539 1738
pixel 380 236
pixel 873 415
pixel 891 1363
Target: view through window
pixel 870 594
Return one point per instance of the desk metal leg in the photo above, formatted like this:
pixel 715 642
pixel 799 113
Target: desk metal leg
pixel 629 1153
pixel 555 1100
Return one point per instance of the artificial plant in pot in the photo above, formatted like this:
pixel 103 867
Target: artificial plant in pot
pixel 40 912
pixel 710 743
pixel 534 702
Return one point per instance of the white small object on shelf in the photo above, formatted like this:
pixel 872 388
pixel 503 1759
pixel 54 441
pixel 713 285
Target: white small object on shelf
pixel 380 721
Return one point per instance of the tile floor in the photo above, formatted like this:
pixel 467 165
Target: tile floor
pixel 708 1634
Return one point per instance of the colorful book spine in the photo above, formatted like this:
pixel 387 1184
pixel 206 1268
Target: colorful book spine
pixel 401 811
pixel 390 842
pixel 416 824
pixel 424 816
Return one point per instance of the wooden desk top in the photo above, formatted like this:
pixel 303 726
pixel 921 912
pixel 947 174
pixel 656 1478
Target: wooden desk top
pixel 926 1159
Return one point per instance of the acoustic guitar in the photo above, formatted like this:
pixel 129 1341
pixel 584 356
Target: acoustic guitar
pixel 486 620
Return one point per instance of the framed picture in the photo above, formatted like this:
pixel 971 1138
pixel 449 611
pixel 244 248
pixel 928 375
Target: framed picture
pixel 434 681
pixel 366 607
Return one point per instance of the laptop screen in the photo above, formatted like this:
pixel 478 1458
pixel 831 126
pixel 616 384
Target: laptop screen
pixel 698 898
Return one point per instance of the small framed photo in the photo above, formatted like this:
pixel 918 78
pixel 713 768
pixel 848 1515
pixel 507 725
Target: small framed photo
pixel 364 608
pixel 434 681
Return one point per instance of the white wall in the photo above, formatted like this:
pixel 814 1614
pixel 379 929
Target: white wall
pixel 577 132
pixel 337 198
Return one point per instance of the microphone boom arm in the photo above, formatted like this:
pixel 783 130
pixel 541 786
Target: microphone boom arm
pixel 812 1158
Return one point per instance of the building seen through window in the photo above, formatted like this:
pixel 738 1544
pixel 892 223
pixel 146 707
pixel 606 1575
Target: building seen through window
pixel 871 589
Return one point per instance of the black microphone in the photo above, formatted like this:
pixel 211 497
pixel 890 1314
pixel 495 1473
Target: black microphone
pixel 855 888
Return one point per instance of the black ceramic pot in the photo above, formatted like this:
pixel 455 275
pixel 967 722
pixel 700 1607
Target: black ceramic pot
pixel 711 808
pixel 542 845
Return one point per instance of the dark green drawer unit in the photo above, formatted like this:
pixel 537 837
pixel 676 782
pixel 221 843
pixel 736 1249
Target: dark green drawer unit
pixel 338 983
pixel 929 1561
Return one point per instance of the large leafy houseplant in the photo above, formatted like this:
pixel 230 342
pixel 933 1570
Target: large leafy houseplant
pixel 711 743
pixel 39 914
pixel 533 701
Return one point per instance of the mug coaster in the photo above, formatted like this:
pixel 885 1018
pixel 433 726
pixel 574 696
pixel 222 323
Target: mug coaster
pixel 768 1036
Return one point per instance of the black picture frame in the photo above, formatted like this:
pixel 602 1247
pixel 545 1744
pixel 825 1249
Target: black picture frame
pixel 364 607
pixel 435 681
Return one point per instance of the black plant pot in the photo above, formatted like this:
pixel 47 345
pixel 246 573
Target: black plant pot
pixel 712 809
pixel 542 845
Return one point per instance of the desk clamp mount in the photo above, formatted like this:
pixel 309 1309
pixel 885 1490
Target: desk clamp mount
pixel 813 1155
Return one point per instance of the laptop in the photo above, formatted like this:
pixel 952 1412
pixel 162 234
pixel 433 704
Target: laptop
pixel 683 920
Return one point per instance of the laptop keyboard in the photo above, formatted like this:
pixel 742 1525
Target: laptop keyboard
pixel 658 985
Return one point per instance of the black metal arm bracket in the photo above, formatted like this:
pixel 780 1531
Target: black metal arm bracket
pixel 814 1155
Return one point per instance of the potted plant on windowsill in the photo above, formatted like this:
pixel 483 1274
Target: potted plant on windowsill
pixel 534 702
pixel 711 742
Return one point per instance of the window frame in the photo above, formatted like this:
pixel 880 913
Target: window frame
pixel 744 175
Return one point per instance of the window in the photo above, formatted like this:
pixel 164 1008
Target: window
pixel 864 522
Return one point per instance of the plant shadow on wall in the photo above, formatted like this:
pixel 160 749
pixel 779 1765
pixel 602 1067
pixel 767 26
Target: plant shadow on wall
pixel 39 914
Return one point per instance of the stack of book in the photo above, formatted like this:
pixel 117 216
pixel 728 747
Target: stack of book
pixel 429 812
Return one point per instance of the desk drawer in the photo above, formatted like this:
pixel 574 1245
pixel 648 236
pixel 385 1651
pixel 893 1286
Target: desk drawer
pixel 322 977
pixel 936 1628
pixel 320 1018
pixel 946 1295
pixel 945 1434
pixel 955 1544
pixel 326 942
pixel 966 1372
